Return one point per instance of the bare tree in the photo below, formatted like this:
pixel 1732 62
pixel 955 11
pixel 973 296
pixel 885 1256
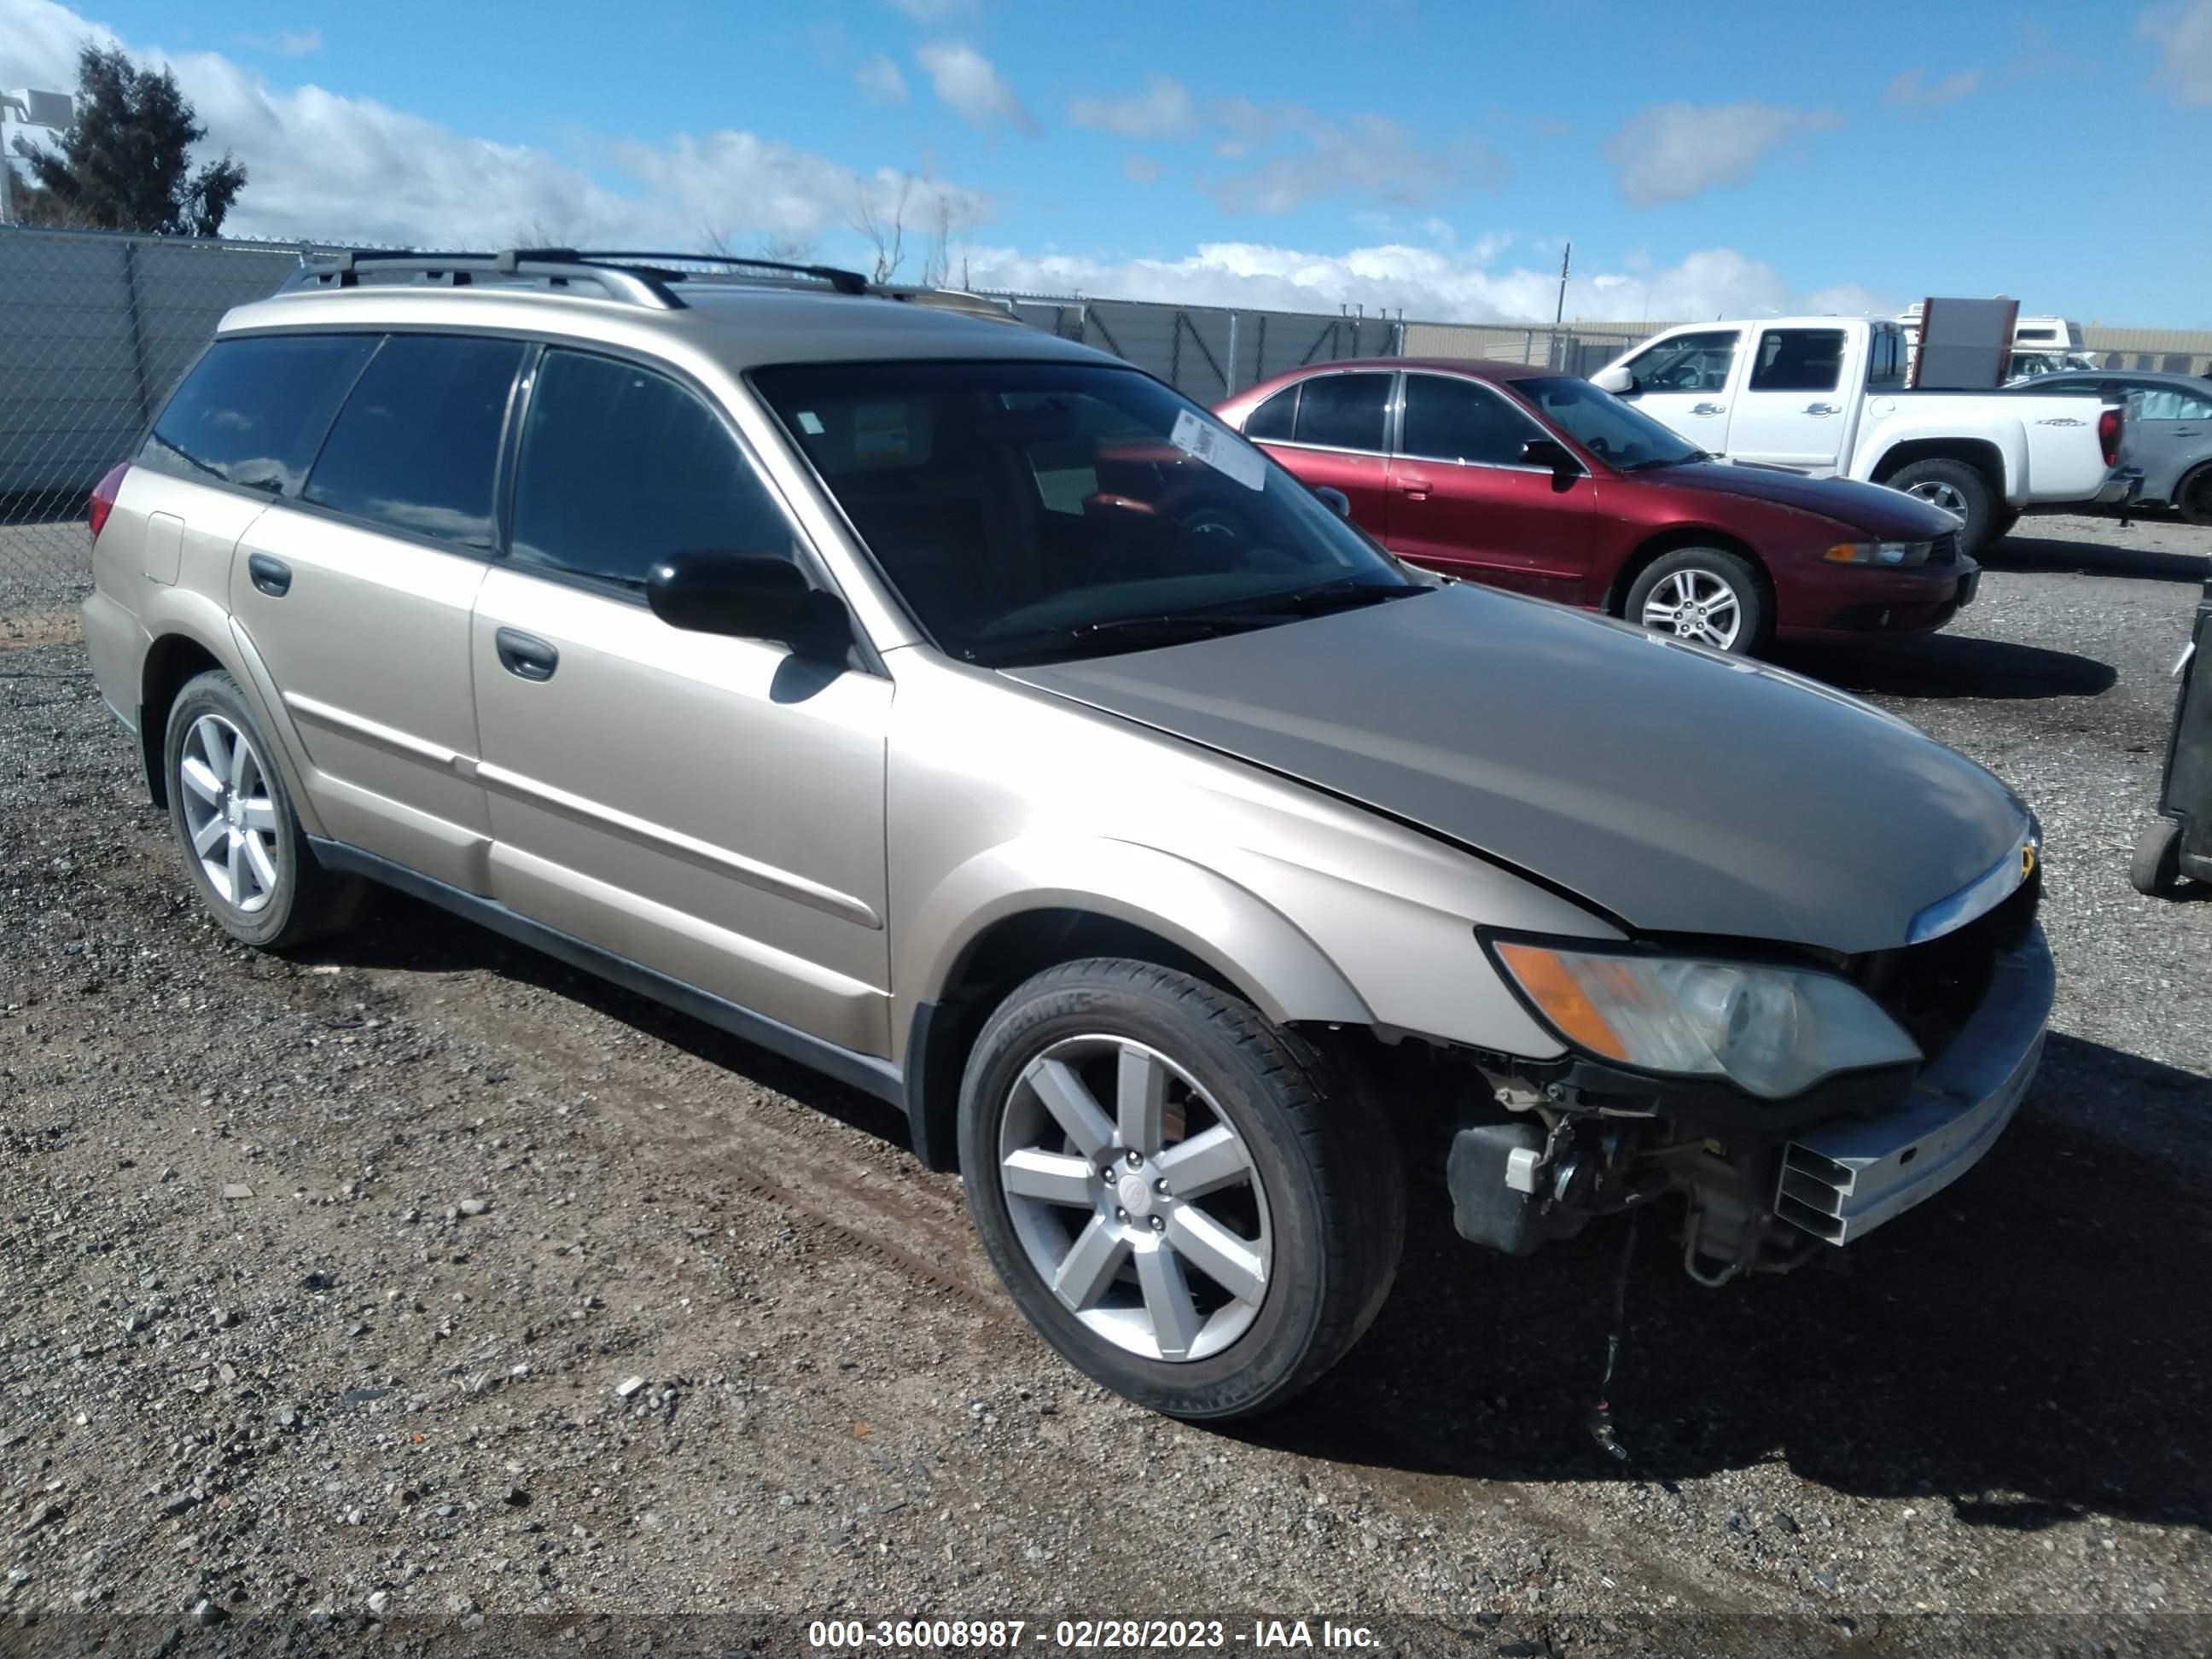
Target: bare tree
pixel 886 230
pixel 936 265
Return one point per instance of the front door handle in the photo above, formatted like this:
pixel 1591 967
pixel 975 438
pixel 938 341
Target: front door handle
pixel 1708 409
pixel 525 655
pixel 270 576
pixel 1823 408
pixel 1414 490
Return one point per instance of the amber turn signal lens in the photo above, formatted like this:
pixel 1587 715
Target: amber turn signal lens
pixel 1555 990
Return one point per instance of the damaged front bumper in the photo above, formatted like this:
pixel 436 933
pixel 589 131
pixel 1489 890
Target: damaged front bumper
pixel 1761 1195
pixel 1841 1180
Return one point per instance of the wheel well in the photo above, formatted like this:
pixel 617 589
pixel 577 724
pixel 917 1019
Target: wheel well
pixel 171 661
pixel 1673 541
pixel 1000 958
pixel 2180 491
pixel 1984 457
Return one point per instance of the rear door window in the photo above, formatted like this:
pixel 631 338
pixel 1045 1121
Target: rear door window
pixel 1449 419
pixel 1273 418
pixel 1798 359
pixel 416 446
pixel 622 468
pixel 1344 411
pixel 253 410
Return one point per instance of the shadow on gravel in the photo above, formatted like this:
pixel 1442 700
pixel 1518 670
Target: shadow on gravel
pixel 402 933
pixel 1950 666
pixel 2050 553
pixel 2033 1344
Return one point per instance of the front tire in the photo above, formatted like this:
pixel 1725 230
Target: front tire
pixel 232 813
pixel 1958 490
pixel 1186 1201
pixel 1705 594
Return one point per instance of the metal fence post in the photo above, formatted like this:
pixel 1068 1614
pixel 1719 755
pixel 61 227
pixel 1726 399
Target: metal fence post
pixel 1229 380
pixel 137 332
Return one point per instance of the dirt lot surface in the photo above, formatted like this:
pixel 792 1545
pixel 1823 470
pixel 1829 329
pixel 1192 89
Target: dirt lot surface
pixel 419 1275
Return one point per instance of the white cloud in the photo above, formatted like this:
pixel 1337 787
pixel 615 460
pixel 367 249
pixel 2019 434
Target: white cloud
pixel 971 86
pixel 2183 33
pixel 1913 90
pixel 1369 157
pixel 1140 168
pixel 1162 110
pixel 1671 152
pixel 304 43
pixel 1429 283
pixel 326 167
pixel 880 81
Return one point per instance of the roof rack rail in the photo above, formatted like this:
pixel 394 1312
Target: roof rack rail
pixel 636 278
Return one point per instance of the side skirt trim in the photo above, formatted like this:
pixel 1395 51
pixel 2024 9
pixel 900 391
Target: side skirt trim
pixel 878 1078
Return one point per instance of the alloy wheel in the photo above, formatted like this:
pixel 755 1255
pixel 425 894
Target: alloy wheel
pixel 1148 1221
pixel 1695 604
pixel 229 816
pixel 1938 492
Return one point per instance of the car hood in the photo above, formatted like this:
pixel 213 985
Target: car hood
pixel 1884 514
pixel 1678 789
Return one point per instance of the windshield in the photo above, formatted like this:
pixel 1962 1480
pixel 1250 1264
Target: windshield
pixel 1622 437
pixel 1026 510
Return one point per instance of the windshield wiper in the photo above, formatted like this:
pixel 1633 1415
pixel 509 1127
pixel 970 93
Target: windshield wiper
pixel 1120 633
pixel 1336 596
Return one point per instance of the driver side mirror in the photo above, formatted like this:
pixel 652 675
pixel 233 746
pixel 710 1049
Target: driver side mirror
pixel 1617 380
pixel 1337 502
pixel 1550 452
pixel 750 596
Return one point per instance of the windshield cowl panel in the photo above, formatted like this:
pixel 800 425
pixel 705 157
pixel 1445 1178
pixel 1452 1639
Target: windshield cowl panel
pixel 1066 508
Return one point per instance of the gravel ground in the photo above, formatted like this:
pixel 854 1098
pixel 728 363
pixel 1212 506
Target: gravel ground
pixel 419 1275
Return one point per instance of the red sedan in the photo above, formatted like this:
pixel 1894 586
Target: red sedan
pixel 1530 479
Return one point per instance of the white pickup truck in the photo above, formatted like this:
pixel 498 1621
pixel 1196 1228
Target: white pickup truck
pixel 1827 396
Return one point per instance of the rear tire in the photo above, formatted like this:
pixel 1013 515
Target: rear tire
pixel 232 813
pixel 2155 870
pixel 2003 523
pixel 1957 489
pixel 2192 496
pixel 1127 1132
pixel 1705 594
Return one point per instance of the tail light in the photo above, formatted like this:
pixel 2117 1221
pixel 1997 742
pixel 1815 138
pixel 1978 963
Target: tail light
pixel 2108 435
pixel 103 497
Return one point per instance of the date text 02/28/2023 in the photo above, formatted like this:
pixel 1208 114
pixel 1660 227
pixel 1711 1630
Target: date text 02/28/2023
pixel 1083 1635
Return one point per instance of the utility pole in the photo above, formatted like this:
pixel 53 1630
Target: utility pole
pixel 1565 259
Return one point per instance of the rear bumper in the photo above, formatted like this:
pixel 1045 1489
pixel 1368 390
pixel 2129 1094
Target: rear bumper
pixel 2122 484
pixel 1843 1179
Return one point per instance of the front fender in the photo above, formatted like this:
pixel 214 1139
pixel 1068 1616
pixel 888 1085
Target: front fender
pixel 1249 943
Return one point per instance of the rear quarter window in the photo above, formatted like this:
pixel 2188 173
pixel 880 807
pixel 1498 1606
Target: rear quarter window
pixel 254 412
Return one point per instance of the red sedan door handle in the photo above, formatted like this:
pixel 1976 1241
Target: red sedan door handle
pixel 1413 489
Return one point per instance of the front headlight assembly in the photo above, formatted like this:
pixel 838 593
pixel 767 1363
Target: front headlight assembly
pixel 1772 1032
pixel 1892 554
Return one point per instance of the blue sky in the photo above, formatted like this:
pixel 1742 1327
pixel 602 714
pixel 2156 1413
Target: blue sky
pixel 1400 153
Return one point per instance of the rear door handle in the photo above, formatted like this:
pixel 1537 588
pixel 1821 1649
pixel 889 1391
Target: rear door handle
pixel 1822 408
pixel 1708 409
pixel 525 655
pixel 1413 489
pixel 271 576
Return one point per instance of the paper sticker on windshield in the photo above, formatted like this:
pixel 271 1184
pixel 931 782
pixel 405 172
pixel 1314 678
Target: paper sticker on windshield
pixel 1218 450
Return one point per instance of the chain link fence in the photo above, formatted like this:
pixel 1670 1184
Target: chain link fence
pixel 93 330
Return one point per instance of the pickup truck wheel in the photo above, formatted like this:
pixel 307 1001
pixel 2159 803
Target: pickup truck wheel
pixel 1186 1201
pixel 2003 523
pixel 1702 593
pixel 1958 490
pixel 2192 496
pixel 233 816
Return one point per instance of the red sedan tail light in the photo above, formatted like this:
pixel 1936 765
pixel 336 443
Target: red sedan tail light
pixel 2108 435
pixel 103 497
